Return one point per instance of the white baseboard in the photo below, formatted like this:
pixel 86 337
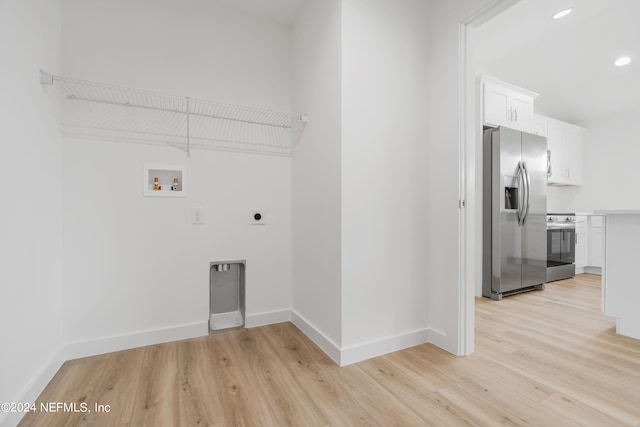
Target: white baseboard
pixel 593 270
pixel 358 352
pixel 34 388
pixel 268 318
pixel 440 339
pixel 320 339
pixel 629 326
pixel 76 350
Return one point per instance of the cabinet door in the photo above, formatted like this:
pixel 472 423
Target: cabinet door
pixel 555 145
pixel 581 242
pixel 522 112
pixel 496 105
pixel 596 242
pixel 540 125
pixel 573 155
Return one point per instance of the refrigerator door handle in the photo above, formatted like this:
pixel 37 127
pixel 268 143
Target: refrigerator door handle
pixel 521 195
pixel 527 180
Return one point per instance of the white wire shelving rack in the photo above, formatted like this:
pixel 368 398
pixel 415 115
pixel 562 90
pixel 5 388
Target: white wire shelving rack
pixel 109 112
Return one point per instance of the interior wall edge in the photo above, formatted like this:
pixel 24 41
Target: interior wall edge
pixel 325 343
pixel 442 340
pixel 344 356
pixel 34 387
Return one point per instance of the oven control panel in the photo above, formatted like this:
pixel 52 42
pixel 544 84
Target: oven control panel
pixel 561 220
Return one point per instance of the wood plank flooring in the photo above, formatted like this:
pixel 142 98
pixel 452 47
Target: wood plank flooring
pixel 545 358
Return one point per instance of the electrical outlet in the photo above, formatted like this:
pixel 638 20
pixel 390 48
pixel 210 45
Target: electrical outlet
pixel 257 217
pixel 197 215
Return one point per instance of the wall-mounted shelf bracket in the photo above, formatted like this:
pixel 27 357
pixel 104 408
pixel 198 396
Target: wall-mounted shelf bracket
pixel 45 78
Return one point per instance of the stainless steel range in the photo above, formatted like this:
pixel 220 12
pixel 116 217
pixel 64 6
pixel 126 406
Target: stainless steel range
pixel 561 246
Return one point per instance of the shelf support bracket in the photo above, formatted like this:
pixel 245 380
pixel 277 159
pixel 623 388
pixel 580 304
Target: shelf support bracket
pixel 46 78
pixel 188 134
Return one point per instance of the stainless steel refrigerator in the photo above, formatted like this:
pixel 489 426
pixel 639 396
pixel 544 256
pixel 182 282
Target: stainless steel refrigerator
pixel 514 212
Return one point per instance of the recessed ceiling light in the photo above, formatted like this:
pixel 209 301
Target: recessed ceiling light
pixel 622 61
pixel 562 14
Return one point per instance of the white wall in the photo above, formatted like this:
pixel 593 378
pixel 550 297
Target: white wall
pixel 384 173
pixel 133 264
pixel 316 176
pixel 398 229
pixel 30 211
pixel 611 149
pixel 190 47
pixel 562 199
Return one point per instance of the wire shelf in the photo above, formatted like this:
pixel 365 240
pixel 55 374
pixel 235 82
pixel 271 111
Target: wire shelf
pixel 109 112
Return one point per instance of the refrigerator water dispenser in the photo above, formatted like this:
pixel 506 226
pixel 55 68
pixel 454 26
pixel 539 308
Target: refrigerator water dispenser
pixel 511 198
pixel 226 294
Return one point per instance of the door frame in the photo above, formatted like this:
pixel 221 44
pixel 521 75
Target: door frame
pixel 470 173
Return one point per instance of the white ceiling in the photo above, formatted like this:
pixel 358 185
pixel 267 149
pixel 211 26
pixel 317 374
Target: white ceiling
pixel 569 61
pixel 283 11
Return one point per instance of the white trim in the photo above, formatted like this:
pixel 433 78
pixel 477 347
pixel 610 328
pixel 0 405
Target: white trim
pixel 438 338
pixel 469 232
pixel 629 326
pixel 33 389
pixel 490 79
pixel 79 349
pixel 320 339
pixel 592 270
pixel 267 318
pixel 367 350
pixel 488 12
pixel 463 309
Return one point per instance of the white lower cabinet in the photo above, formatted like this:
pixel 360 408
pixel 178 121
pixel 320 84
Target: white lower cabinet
pixel 582 243
pixel 596 241
pixel 589 243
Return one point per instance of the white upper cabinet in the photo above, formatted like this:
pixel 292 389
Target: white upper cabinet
pixel 507 105
pixel 540 125
pixel 573 155
pixel 555 150
pixel 564 145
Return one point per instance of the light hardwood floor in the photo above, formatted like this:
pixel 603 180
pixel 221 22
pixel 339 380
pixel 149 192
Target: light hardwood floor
pixel 545 358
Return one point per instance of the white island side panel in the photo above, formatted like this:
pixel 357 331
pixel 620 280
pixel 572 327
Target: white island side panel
pixel 621 282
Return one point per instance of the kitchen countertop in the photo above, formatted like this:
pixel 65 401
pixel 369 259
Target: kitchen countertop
pixel 618 212
pixel 600 212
